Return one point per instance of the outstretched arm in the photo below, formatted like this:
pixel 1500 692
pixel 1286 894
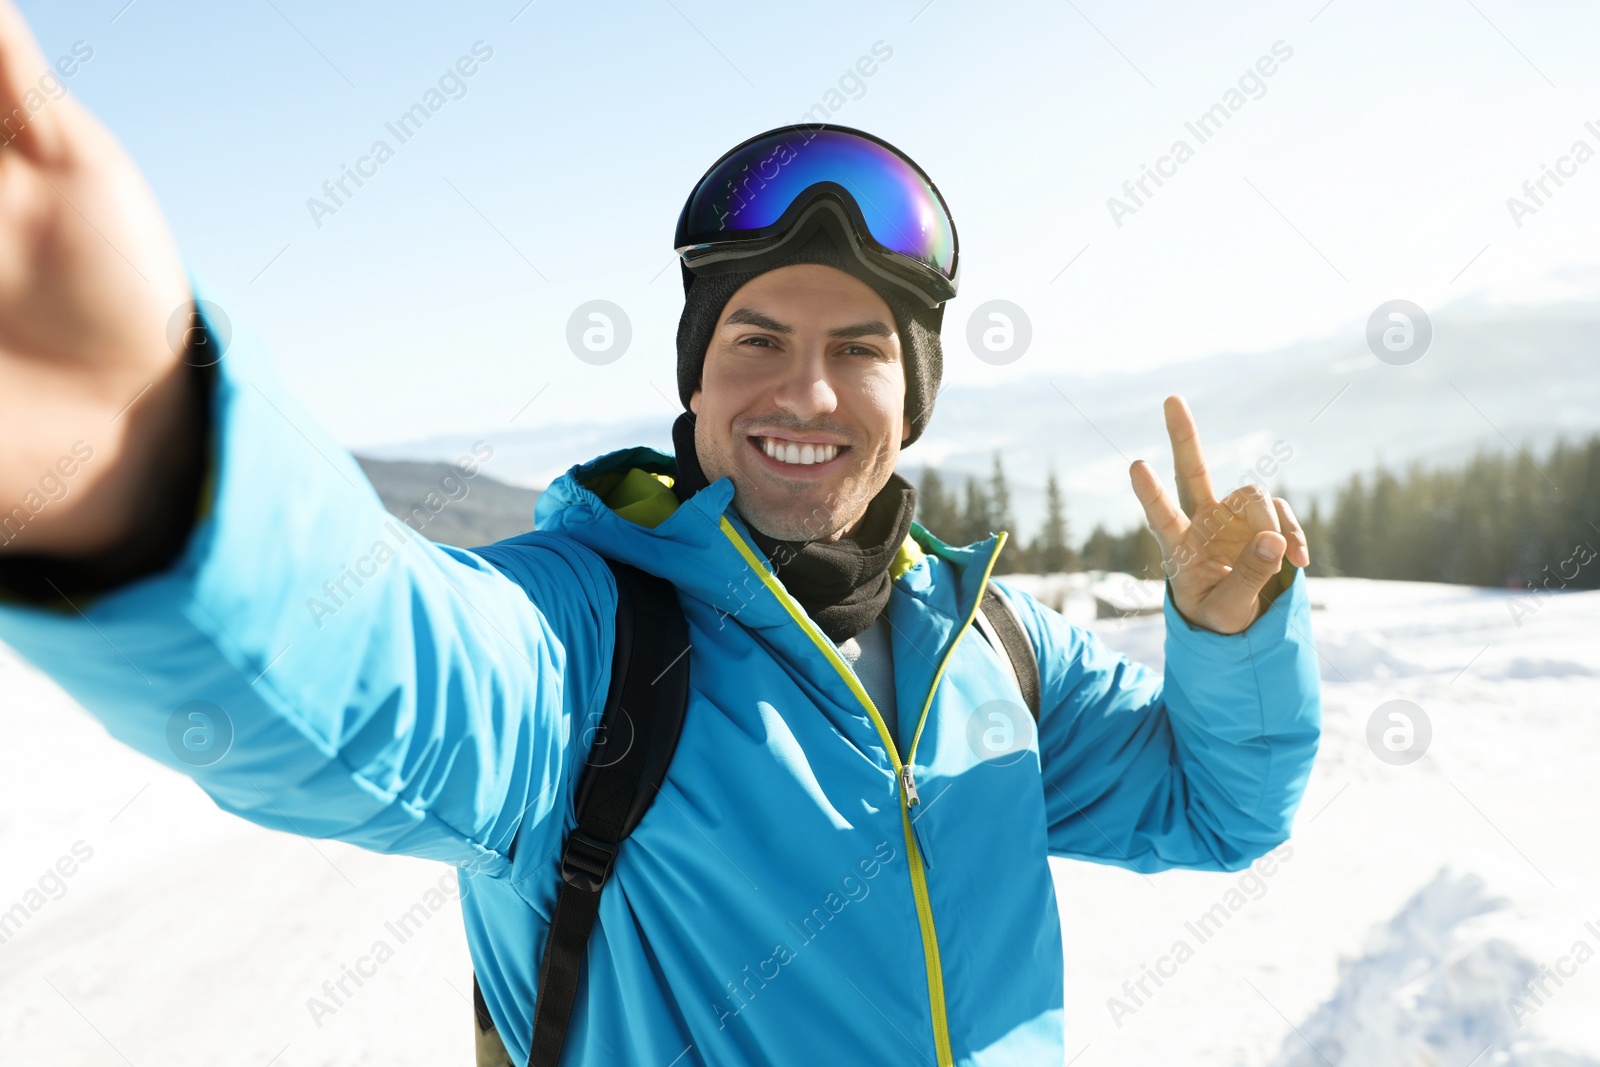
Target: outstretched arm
pixel 315 665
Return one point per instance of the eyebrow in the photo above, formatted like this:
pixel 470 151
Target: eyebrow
pixel 751 317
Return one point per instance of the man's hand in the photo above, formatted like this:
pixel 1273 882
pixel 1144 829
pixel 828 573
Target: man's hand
pixel 89 280
pixel 1219 555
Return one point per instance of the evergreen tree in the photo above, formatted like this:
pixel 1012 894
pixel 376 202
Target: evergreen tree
pixel 1349 526
pixel 1497 520
pixel 1052 553
pixel 1000 499
pixel 936 507
pixel 1507 521
pixel 977 517
pixel 1141 554
pixel 1324 560
pixel 1014 558
pixel 1099 550
pixel 1136 552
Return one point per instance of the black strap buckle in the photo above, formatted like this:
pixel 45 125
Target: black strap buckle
pixel 586 861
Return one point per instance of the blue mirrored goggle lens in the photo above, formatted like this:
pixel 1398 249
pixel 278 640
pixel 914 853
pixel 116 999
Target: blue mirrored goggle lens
pixel 753 187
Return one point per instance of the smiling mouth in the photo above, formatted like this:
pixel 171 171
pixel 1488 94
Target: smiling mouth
pixel 796 456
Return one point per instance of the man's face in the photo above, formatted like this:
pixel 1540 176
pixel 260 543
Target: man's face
pixel 805 360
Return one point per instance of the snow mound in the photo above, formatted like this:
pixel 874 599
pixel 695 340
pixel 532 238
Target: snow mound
pixel 1426 993
pixel 1363 656
pixel 1530 667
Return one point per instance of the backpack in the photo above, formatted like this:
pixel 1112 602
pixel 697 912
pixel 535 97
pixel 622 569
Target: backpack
pixel 650 677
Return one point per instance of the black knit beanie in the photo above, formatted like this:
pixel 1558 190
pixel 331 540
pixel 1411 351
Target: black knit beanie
pixel 707 295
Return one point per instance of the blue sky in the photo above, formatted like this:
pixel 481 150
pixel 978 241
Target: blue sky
pixel 1374 163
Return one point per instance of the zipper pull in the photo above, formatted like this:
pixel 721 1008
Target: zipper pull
pixel 908 780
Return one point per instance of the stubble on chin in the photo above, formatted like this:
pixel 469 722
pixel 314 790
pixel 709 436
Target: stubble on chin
pixel 836 510
pixel 825 519
pixel 801 524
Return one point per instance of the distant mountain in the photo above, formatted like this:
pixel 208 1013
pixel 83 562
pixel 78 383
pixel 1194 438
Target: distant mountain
pixel 446 506
pixel 1493 377
pixel 536 457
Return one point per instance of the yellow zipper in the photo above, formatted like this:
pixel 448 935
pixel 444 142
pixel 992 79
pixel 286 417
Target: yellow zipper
pixel 903 771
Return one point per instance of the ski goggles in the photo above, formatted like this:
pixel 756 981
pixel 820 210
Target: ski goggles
pixel 780 185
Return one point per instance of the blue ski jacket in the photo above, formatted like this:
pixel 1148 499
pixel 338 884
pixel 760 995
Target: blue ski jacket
pixel 783 901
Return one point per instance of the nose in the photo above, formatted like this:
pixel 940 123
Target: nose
pixel 805 389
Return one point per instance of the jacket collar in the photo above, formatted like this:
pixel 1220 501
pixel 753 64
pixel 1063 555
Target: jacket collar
pixel 622 506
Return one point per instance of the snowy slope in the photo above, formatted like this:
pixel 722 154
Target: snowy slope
pixel 1408 909
pixel 1506 792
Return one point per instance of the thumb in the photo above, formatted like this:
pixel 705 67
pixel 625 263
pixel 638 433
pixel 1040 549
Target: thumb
pixel 21 64
pixel 39 117
pixel 1235 596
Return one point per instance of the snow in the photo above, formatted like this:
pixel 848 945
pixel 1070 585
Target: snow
pixel 1360 940
pixel 1424 991
pixel 1398 927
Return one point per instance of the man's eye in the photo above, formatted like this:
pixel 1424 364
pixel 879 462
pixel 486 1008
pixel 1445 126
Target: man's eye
pixel 762 340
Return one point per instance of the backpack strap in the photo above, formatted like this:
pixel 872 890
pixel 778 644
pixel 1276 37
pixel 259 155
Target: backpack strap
pixel 637 735
pixel 998 621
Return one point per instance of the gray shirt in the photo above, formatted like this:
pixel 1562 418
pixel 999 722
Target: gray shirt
pixel 871 656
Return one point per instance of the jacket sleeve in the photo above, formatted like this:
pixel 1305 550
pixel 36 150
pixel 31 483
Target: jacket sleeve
pixel 1202 767
pixel 321 668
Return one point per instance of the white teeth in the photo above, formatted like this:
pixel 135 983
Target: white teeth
pixel 800 455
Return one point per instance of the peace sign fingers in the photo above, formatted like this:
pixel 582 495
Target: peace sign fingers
pixel 1188 461
pixel 1169 525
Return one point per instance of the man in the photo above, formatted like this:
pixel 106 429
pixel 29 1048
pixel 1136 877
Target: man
pixel 840 867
